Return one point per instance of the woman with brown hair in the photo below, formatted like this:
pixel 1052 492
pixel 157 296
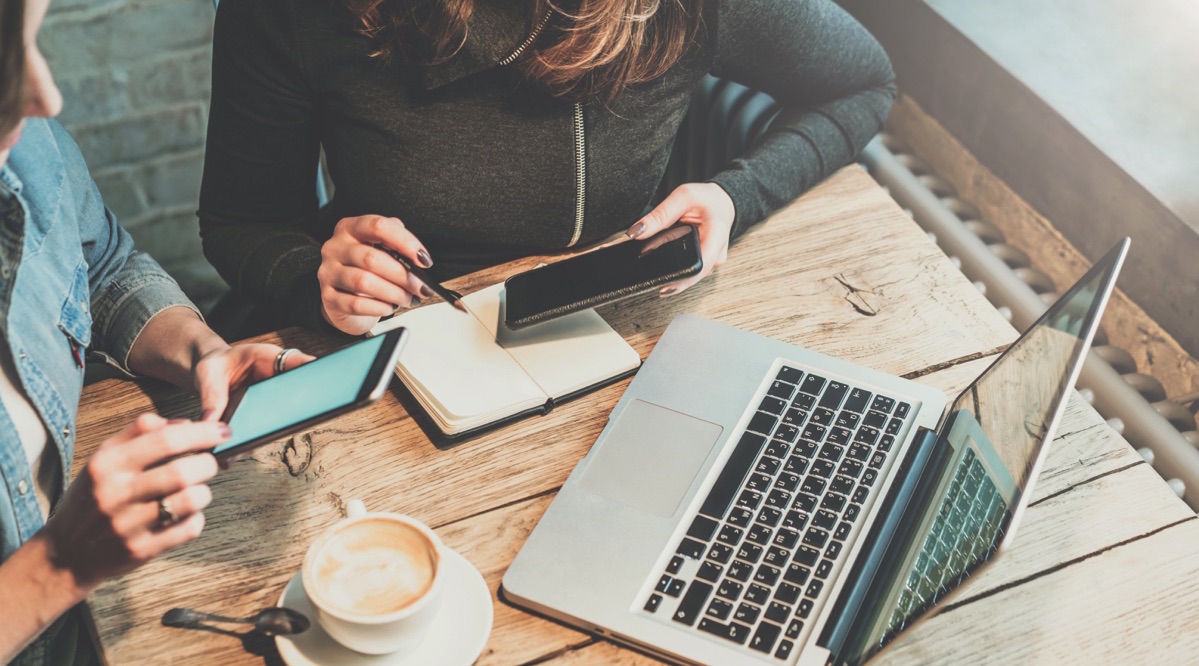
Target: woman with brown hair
pixel 477 131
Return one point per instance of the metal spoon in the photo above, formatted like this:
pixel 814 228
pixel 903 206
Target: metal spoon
pixel 273 621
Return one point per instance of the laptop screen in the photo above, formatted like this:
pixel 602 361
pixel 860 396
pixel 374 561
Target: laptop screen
pixel 981 467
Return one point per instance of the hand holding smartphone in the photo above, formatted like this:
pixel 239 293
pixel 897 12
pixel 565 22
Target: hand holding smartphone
pixel 317 391
pixel 602 276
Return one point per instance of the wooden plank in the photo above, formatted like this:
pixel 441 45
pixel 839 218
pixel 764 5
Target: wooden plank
pixel 1134 603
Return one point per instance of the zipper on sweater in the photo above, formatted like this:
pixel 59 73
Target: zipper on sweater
pixel 528 40
pixel 580 174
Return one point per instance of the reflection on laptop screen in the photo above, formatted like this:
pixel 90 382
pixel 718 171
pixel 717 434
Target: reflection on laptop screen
pixel 988 449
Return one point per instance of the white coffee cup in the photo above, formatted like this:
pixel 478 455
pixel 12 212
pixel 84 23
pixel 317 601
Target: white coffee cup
pixel 374 580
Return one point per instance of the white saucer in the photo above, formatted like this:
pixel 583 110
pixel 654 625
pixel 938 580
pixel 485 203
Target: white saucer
pixel 457 635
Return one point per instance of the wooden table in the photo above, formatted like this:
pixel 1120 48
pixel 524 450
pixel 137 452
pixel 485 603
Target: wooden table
pixel 1104 568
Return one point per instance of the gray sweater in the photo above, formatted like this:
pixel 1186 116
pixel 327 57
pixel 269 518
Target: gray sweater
pixel 481 166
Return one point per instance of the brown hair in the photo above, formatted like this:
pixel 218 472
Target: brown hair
pixel 12 64
pixel 590 50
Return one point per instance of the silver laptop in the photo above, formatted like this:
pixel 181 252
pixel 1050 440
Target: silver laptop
pixel 752 502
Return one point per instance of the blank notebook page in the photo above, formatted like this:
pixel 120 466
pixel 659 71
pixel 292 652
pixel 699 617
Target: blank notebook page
pixel 562 355
pixel 455 362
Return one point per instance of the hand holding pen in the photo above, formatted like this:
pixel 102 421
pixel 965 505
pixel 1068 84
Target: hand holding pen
pixel 369 270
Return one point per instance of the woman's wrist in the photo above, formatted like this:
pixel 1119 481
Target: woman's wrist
pixel 33 579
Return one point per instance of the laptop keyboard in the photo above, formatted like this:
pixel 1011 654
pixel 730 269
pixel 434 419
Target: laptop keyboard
pixel 965 531
pixel 753 565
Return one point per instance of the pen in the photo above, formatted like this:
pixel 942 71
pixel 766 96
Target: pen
pixel 449 295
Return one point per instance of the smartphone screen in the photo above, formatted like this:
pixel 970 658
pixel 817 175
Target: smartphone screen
pixel 327 385
pixel 602 276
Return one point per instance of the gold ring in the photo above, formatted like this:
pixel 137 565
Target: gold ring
pixel 166 515
pixel 282 358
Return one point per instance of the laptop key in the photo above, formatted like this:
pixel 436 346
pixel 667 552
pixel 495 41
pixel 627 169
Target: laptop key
pixel 741 517
pixel 702 528
pixel 786 538
pixel 759 534
pixel 842 531
pixel 847 419
pixel 676 563
pixel 768 466
pixel 901 411
pixel 781 390
pixel 777 449
pixel 857 401
pixel 693 602
pixel 784 650
pixel 824 569
pixel 869 477
pixel 838 435
pixel 787 593
pixel 794 628
pixel 691 548
pixel 813 432
pixel 833 550
pixel 831 452
pixel 833 395
pixel 825 520
pixel 796 465
pixel 841 484
pixel 776 556
pixel 676 587
pixel 758 482
pixel 805 449
pixel 813 485
pixel 815 537
pixel 663 583
pixel 807 555
pixel 741 571
pixel 833 502
pixel 767 575
pixel 893 426
pixel 877 460
pixel 795 520
pixel 789 374
pixel 866 435
pixel 795 417
pixel 729 589
pixel 730 535
pixel 720 552
pixel 874 419
pixel 762 423
pixel 733 631
pixel 804 609
pixel 860 495
pixel 779 499
pixel 859 452
pixel 822 416
pixel 797 573
pixel 787 481
pixel 709 571
pixel 770 516
pixel 765 637
pixel 720 609
pixel 852 512
pixel 773 405
pixel 886 443
pixel 883 404
pixel 812 384
pixel 750 553
pixel 734 472
pixel 655 600
pixel 814 588
pixel 747 613
pixel 777 612
pixel 749 499
pixel 758 595
pixel 850 467
pixel 823 468
pixel 787 432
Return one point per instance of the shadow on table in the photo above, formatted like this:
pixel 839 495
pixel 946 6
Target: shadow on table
pixel 253 642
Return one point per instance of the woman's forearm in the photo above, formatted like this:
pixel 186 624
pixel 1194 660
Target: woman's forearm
pixel 37 591
pixel 171 344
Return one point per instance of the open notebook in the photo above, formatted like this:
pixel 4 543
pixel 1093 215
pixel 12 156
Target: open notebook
pixel 469 373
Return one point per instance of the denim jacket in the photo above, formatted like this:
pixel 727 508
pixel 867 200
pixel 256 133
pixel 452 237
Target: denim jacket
pixel 70 281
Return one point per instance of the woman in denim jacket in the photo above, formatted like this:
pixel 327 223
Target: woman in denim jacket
pixel 70 280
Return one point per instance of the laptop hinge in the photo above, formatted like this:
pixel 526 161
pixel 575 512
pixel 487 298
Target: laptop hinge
pixel 899 514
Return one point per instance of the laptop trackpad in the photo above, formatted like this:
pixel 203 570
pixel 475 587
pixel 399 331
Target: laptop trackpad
pixel 650 457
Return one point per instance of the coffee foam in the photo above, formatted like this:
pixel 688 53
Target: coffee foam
pixel 373 567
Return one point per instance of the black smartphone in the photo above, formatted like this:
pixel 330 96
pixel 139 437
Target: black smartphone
pixel 601 276
pixel 317 391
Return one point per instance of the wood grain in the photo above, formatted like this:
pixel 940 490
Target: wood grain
pixel 787 278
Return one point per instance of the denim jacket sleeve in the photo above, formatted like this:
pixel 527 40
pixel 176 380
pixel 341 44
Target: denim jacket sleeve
pixel 127 286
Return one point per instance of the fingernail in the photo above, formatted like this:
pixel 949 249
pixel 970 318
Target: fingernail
pixel 423 257
pixel 666 291
pixel 415 302
pixel 427 292
pixel 225 430
pixel 636 230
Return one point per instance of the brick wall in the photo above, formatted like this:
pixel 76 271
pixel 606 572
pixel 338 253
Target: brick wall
pixel 135 78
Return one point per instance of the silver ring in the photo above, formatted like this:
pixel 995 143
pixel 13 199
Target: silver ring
pixel 166 515
pixel 282 358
